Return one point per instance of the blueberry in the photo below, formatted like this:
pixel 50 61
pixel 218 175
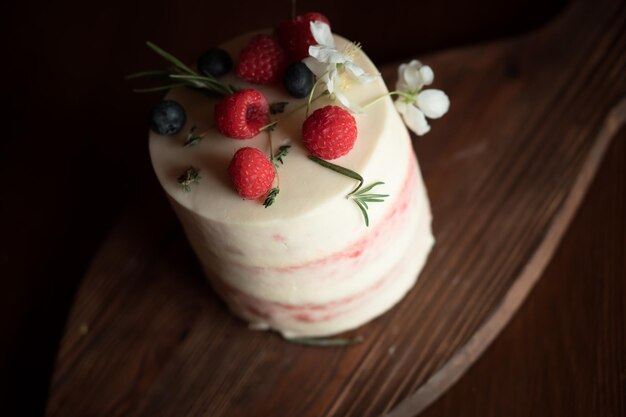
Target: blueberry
pixel 215 62
pixel 167 117
pixel 298 80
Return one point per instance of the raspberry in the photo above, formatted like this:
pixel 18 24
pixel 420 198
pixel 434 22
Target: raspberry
pixel 241 115
pixel 296 37
pixel 251 172
pixel 262 61
pixel 330 132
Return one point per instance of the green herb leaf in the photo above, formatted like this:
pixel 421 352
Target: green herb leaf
pixel 282 152
pixel 193 138
pixel 271 197
pixel 369 187
pixel 361 198
pixel 358 195
pixel 279 107
pixel 326 341
pixel 201 82
pixel 149 74
pixel 159 88
pixel 339 169
pixel 188 178
pixel 182 75
pixel 171 58
pixel 363 207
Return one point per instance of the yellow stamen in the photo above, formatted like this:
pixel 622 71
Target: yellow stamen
pixel 352 49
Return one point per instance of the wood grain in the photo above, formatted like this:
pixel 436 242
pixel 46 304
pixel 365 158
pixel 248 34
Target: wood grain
pixel 147 336
pixel 563 352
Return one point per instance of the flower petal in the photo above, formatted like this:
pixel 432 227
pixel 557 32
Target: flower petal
pixel 434 103
pixel 330 85
pixel 427 75
pixel 412 77
pixel 344 100
pixel 326 54
pixel 401 106
pixel 415 63
pixel 358 73
pixel 409 77
pixel 322 34
pixel 331 80
pixel 413 117
pixel 416 121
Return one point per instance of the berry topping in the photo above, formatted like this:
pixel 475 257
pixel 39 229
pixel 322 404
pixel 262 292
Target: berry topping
pixel 167 117
pixel 215 62
pixel 330 132
pixel 296 37
pixel 251 172
pixel 241 115
pixel 298 80
pixel 262 61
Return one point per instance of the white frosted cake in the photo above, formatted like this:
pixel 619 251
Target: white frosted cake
pixel 308 265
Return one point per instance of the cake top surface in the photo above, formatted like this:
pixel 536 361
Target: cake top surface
pixel 304 185
pixel 244 147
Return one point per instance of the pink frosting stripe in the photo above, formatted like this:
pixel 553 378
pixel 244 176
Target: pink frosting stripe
pixel 356 249
pixel 266 309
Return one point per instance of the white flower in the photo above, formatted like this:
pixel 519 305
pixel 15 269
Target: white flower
pixel 328 64
pixel 413 117
pixel 413 76
pixel 415 104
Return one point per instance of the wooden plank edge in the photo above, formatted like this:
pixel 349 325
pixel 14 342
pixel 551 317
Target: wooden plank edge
pixel 452 371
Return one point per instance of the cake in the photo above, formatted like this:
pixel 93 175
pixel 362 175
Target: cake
pixel 315 258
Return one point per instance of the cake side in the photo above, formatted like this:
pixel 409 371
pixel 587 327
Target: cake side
pixel 340 293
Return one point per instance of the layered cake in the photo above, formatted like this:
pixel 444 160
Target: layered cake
pixel 294 176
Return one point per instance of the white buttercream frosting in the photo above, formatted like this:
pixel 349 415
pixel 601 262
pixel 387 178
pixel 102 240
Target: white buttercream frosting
pixel 311 248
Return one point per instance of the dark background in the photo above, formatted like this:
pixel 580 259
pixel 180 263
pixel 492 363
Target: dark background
pixel 73 153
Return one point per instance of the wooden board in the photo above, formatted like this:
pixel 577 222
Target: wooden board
pixel 506 170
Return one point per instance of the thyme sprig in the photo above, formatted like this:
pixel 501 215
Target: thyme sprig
pixel 278 107
pixel 360 196
pixel 188 178
pixel 193 138
pixel 280 154
pixel 271 197
pixel 180 75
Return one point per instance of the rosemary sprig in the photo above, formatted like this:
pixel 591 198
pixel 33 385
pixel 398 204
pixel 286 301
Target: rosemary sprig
pixel 158 88
pixel 149 74
pixel 193 138
pixel 326 341
pixel 280 154
pixel 171 58
pixel 360 196
pixel 271 197
pixel 188 178
pixel 180 75
pixel 341 170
